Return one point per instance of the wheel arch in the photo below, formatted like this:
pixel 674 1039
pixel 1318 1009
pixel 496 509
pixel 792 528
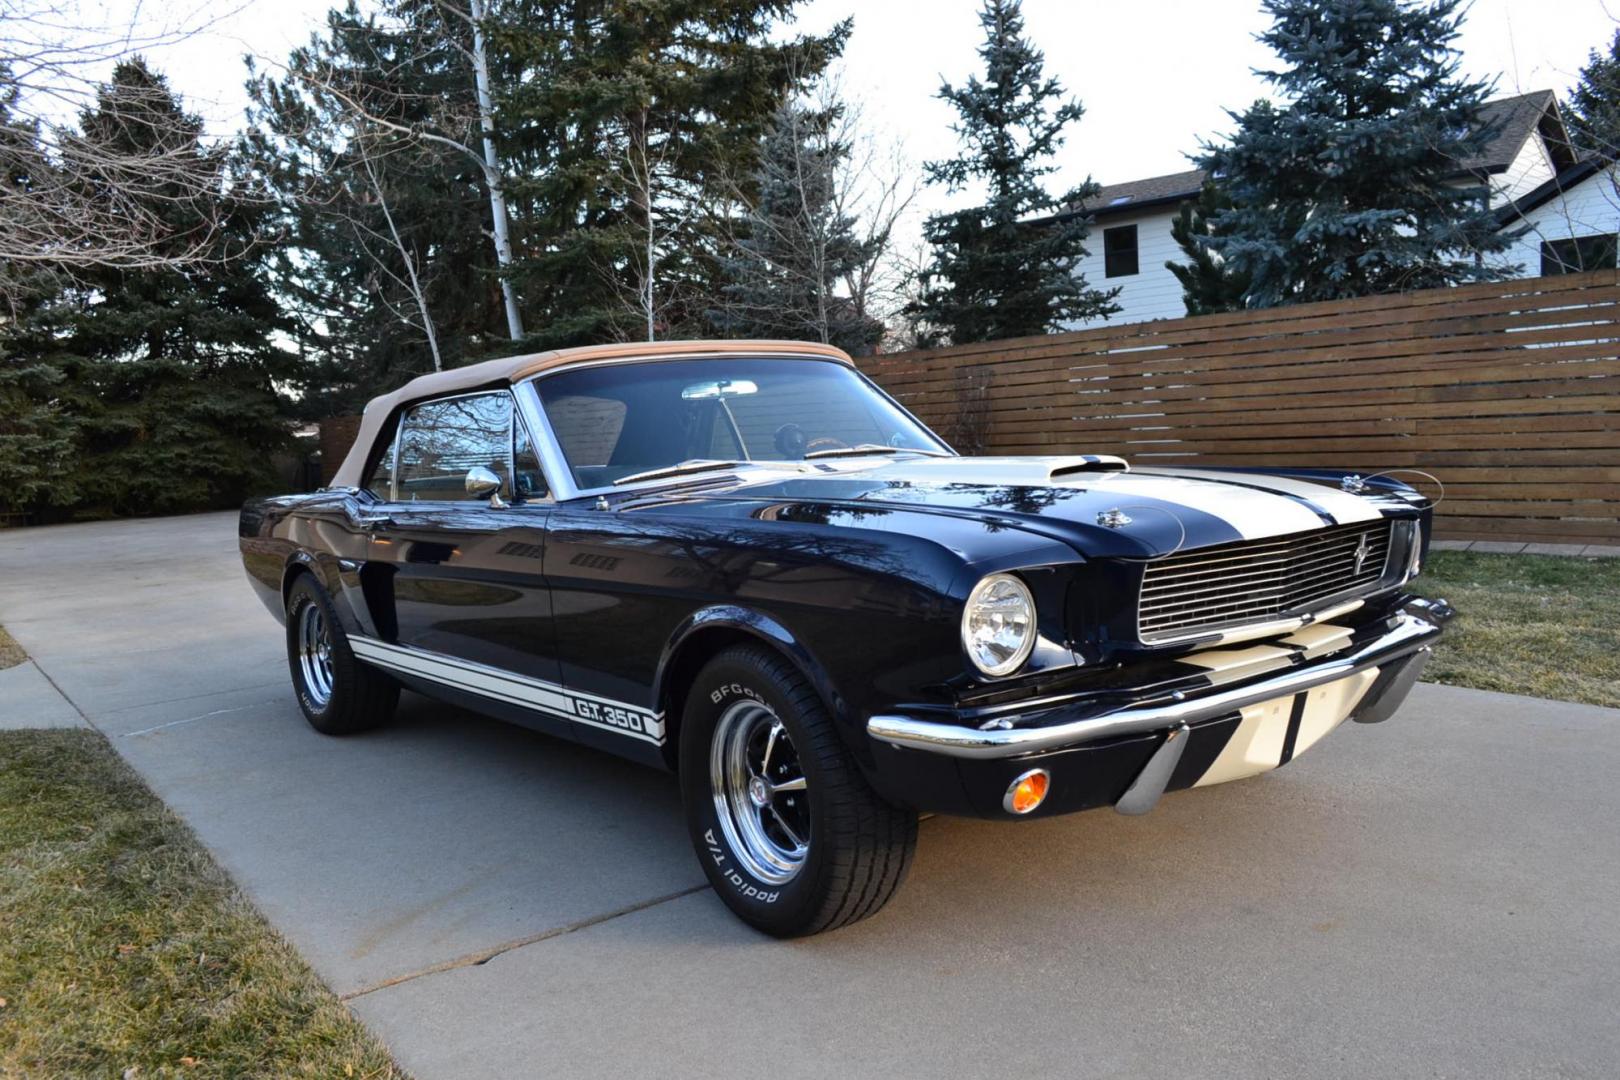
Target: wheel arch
pixel 706 633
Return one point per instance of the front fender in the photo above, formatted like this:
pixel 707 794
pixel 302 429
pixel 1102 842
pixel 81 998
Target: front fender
pixel 711 628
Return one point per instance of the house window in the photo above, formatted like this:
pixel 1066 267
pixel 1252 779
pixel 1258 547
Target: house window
pixel 1577 255
pixel 1119 251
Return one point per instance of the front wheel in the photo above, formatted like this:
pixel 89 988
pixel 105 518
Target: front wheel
pixel 337 693
pixel 790 834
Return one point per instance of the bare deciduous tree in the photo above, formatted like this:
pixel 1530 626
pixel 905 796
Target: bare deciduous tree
pixel 659 209
pixel 814 254
pixel 71 204
pixel 411 281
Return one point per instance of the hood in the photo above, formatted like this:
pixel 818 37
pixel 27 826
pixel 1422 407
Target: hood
pixel 1097 504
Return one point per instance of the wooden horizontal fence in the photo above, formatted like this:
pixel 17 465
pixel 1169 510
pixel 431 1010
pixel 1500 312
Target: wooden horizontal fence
pixel 1508 392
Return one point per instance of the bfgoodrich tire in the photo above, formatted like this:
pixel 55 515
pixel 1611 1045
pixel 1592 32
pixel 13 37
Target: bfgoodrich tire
pixel 790 834
pixel 337 693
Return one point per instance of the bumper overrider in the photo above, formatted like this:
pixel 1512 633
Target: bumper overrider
pixel 1128 756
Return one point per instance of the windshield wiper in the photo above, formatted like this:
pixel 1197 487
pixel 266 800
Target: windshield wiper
pixel 691 466
pixel 871 448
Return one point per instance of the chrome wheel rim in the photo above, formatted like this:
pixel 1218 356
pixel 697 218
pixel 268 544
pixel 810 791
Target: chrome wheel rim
pixel 760 794
pixel 315 654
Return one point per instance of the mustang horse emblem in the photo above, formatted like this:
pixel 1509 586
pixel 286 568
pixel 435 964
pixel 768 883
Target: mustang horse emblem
pixel 1363 549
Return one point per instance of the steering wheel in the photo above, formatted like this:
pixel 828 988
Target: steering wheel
pixel 791 441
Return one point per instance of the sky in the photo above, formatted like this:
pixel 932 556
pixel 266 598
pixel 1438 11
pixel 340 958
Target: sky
pixel 1154 76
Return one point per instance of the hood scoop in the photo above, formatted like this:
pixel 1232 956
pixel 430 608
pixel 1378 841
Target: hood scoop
pixel 1087 463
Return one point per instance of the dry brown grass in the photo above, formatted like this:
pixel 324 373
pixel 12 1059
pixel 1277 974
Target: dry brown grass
pixel 1543 625
pixel 125 951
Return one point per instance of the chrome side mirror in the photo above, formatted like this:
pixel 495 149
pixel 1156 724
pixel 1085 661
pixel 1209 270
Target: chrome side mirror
pixel 482 482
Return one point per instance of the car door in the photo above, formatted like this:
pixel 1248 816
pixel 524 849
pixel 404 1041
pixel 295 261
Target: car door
pixel 454 580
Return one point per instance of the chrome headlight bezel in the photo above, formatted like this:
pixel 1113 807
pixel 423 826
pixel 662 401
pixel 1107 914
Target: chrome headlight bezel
pixel 1000 582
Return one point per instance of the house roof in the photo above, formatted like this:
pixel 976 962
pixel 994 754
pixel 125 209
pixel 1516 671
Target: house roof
pixel 1514 119
pixel 1154 191
pixel 512 369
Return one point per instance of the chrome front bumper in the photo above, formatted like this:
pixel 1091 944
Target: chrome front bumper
pixel 1410 635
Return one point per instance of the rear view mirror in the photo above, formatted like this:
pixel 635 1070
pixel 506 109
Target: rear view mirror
pixel 705 391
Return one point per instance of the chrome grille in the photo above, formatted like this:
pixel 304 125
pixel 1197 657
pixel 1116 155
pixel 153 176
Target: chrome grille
pixel 1256 580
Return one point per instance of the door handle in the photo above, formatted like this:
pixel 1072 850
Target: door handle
pixel 370 522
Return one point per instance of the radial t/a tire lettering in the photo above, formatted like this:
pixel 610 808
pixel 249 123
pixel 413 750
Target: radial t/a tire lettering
pixel 790 834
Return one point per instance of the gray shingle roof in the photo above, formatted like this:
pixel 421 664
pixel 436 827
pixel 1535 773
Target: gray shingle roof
pixel 1516 119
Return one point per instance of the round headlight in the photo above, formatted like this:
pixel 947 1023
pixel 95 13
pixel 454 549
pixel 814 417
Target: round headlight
pixel 998 625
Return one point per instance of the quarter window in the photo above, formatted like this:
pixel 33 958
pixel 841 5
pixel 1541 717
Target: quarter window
pixel 441 441
pixel 527 479
pixel 381 483
pixel 1119 251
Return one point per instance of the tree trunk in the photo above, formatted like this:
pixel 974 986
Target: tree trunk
pixel 492 172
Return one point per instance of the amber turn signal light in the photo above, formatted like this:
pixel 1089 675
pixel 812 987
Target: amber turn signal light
pixel 1027 792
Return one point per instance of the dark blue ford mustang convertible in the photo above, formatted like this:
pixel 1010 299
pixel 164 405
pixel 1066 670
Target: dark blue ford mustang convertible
pixel 744 562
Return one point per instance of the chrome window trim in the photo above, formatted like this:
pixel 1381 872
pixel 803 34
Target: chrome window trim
pixel 555 464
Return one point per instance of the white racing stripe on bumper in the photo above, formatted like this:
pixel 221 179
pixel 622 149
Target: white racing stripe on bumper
pixel 1253 514
pixel 582 708
pixel 1261 737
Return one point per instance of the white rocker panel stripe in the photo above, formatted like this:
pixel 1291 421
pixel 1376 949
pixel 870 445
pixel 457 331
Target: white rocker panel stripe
pixel 576 705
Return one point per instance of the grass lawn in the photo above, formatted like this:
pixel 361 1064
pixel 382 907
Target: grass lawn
pixel 11 653
pixel 1543 625
pixel 125 952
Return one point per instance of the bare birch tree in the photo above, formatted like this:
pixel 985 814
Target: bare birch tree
pixel 374 113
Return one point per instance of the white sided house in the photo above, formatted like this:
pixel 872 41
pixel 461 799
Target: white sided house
pixel 1536 180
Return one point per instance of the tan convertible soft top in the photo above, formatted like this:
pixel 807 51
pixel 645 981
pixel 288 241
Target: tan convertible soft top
pixel 511 369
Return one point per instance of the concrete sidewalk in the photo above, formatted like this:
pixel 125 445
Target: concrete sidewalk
pixel 1429 897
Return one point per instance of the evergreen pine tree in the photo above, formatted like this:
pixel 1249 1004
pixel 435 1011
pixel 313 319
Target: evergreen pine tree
pixel 1006 268
pixel 623 123
pixel 36 434
pixel 1352 186
pixel 784 274
pixel 162 378
pixel 1594 104
pixel 1208 284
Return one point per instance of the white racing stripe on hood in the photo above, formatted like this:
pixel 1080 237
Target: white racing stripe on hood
pixel 1253 514
pixel 1344 507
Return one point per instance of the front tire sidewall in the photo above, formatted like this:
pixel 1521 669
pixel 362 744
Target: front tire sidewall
pixel 337 715
pixel 780 909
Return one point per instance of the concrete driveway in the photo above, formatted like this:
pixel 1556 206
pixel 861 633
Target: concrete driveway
pixel 1433 897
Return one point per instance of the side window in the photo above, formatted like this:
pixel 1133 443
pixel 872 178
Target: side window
pixel 381 483
pixel 528 482
pixel 440 441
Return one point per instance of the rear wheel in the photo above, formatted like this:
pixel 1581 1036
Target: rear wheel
pixel 337 693
pixel 790 834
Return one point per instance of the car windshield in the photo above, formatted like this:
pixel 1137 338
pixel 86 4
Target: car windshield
pixel 617 420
